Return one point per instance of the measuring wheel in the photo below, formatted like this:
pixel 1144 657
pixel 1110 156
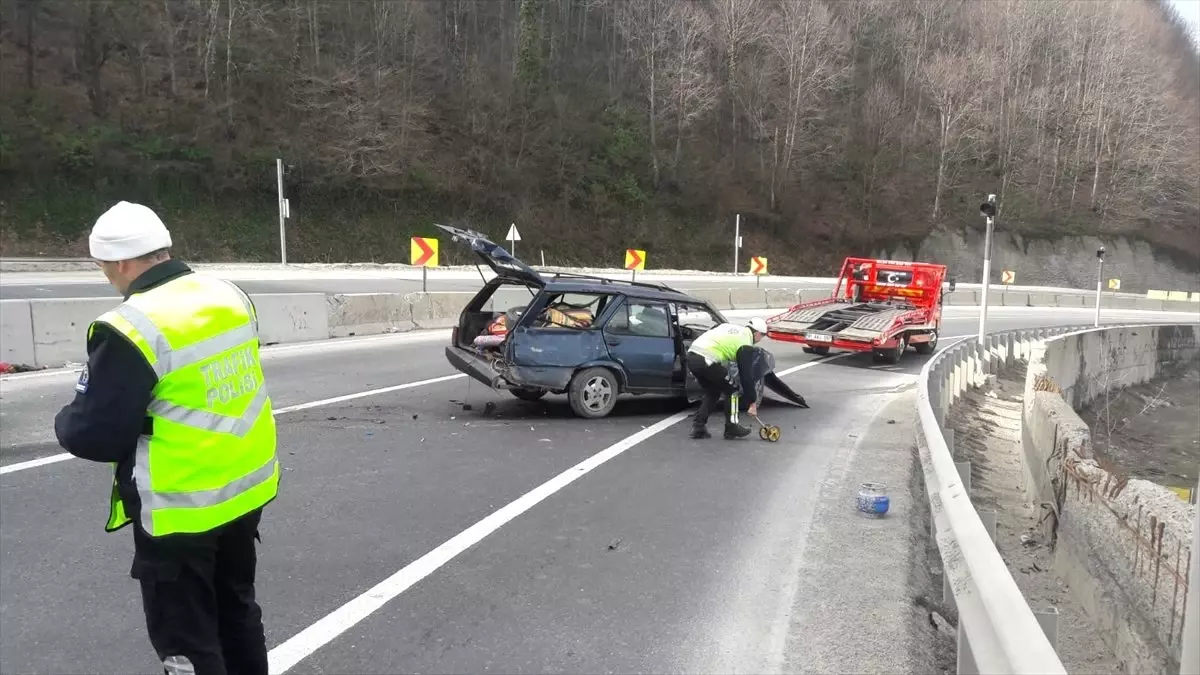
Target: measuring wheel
pixel 769 433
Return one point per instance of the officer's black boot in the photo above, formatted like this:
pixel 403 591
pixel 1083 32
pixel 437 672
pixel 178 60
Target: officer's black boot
pixel 734 430
pixel 700 432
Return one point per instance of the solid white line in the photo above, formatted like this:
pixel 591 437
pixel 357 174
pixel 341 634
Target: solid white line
pixel 321 633
pixel 369 392
pixel 61 457
pixel 34 463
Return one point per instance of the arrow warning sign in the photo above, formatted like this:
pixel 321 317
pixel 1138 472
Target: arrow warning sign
pixel 424 252
pixel 1114 284
pixel 758 265
pixel 635 259
pixel 1007 276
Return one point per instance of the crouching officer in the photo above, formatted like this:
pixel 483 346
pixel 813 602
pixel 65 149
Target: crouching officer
pixel 173 396
pixel 709 358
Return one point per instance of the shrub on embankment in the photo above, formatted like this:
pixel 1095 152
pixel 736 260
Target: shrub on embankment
pixel 1122 545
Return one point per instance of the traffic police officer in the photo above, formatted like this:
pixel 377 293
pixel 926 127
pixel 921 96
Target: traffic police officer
pixel 709 358
pixel 173 396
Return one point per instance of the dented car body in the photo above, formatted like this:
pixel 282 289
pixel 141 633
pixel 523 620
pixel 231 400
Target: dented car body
pixel 591 338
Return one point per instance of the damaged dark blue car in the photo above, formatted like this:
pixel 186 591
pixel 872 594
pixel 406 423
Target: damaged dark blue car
pixel 588 337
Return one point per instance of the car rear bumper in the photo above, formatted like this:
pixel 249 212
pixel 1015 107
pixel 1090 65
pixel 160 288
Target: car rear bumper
pixel 475 366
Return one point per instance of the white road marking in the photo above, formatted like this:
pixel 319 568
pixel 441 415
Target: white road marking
pixel 62 457
pixel 321 633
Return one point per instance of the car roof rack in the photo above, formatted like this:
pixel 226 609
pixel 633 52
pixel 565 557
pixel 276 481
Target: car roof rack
pixel 606 280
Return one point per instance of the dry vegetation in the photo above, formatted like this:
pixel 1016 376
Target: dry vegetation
pixel 598 124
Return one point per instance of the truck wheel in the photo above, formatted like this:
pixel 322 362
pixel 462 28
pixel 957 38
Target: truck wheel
pixel 820 351
pixel 927 347
pixel 528 394
pixel 892 355
pixel 593 392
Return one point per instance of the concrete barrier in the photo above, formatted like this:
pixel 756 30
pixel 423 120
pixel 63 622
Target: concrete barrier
pixel 437 310
pixel 1178 306
pixel 718 297
pixel 747 298
pixel 16 332
pixel 291 317
pixel 59 327
pixel 1015 299
pixel 1122 543
pixel 368 314
pixel 1043 299
pixel 812 294
pixel 781 298
pixel 961 297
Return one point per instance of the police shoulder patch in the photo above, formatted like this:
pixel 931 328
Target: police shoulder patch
pixel 82 385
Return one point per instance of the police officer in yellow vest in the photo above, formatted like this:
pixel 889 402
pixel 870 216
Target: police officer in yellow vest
pixel 708 359
pixel 173 396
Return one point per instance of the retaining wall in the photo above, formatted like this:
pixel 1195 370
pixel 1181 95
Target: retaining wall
pixel 52 332
pixel 1123 545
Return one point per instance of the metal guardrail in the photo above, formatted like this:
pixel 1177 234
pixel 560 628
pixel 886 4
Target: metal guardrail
pixel 998 632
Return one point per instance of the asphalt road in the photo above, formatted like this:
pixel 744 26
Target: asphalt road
pixel 672 555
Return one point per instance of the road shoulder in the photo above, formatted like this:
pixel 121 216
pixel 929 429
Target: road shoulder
pixel 855 609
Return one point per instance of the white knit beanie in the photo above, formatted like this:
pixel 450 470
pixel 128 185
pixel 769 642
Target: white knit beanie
pixel 127 231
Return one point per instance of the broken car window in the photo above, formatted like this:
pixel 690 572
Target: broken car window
pixel 572 310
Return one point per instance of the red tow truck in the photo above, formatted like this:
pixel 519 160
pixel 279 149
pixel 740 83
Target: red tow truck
pixel 880 306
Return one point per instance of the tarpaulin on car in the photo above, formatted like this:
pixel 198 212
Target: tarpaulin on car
pixel 754 370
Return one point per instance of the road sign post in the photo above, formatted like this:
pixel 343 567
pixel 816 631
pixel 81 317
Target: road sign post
pixel 988 210
pixel 1099 280
pixel 283 211
pixel 737 241
pixel 423 253
pixel 758 267
pixel 635 259
pixel 513 237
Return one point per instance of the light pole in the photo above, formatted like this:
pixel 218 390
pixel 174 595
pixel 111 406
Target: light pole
pixel 1099 280
pixel 988 209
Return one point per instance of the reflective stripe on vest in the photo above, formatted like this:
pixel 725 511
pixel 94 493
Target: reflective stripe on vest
pixel 211 456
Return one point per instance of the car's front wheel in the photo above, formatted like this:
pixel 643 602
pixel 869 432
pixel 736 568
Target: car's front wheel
pixel 593 392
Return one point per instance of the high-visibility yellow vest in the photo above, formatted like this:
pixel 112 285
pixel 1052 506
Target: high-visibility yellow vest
pixel 721 343
pixel 210 457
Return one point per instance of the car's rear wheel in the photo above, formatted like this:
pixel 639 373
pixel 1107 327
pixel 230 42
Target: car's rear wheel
pixel 593 392
pixel 528 394
pixel 820 351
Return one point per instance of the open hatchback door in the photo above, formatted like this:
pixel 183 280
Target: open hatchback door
pixel 503 263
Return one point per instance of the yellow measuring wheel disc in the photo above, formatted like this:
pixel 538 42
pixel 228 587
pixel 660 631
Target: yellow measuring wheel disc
pixel 773 434
pixel 763 433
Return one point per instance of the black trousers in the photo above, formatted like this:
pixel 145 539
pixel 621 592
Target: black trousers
pixel 714 378
pixel 198 596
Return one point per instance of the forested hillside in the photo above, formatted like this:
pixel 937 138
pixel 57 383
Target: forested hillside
pixel 831 125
